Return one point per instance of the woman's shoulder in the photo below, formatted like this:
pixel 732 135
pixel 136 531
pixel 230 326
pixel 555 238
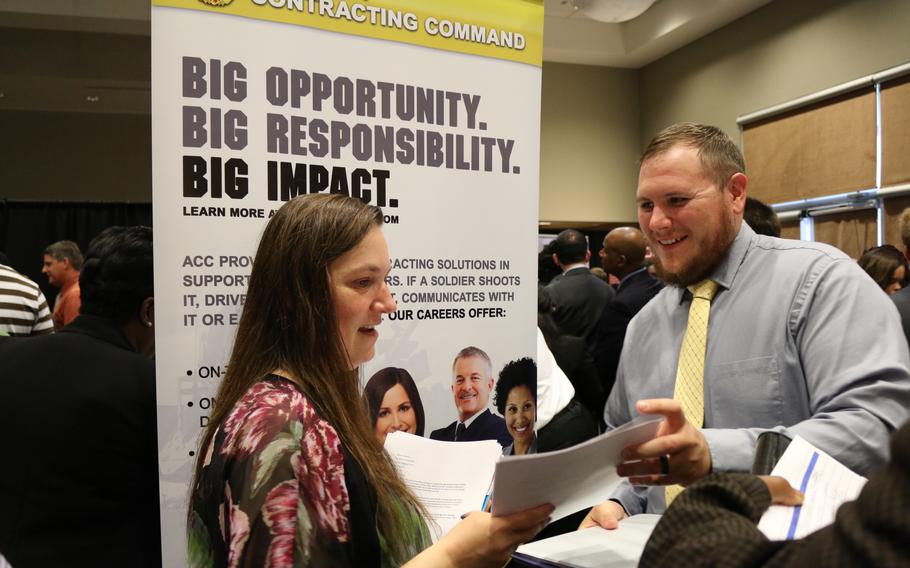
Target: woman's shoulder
pixel 279 467
pixel 272 408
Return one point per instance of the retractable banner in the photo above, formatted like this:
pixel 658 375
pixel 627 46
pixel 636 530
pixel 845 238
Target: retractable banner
pixel 427 108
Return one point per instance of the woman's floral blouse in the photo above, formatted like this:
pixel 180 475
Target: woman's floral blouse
pixel 278 488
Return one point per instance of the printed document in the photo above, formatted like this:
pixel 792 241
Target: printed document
pixel 571 479
pixel 824 481
pixel 593 547
pixel 449 478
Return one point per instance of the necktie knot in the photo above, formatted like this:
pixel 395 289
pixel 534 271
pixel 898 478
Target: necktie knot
pixel 459 430
pixel 704 289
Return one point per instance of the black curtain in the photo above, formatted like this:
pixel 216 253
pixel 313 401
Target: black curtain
pixel 27 227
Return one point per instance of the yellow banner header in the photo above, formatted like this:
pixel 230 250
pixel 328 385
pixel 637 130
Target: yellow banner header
pixel 502 29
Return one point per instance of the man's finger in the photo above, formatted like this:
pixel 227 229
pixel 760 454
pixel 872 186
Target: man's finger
pixel 604 515
pixel 782 493
pixel 662 445
pixel 666 407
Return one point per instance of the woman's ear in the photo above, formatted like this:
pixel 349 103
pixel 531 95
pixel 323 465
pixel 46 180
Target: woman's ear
pixel 147 312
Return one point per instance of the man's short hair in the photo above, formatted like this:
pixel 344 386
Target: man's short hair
pixel 118 273
pixel 720 157
pixel 68 250
pixel 472 351
pixel 761 218
pixel 570 246
pixel 905 227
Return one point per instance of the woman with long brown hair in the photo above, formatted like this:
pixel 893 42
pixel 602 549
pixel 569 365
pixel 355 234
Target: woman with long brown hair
pixel 290 472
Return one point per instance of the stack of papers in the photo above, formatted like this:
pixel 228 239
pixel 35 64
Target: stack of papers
pixel 571 479
pixel 455 478
pixel 593 547
pixel 449 478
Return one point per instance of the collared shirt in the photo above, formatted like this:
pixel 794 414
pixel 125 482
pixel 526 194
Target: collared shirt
pixel 800 341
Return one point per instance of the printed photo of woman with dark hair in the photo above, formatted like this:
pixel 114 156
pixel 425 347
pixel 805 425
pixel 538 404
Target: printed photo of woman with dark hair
pixel 394 403
pixel 516 401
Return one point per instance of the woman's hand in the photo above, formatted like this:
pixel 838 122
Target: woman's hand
pixel 484 540
pixel 606 515
pixel 782 493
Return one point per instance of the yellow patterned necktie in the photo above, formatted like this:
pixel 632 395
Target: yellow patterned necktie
pixel 690 372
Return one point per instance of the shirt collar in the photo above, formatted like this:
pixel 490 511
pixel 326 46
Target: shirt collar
pixel 470 420
pixel 725 271
pixel 574 266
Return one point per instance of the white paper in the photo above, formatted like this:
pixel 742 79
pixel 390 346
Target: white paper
pixel 826 484
pixel 596 547
pixel 449 478
pixel 570 479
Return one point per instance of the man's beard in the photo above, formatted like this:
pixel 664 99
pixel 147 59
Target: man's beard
pixel 700 267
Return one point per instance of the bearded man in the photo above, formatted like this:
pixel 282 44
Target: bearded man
pixel 753 334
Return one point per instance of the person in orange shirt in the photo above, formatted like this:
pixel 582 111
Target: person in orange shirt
pixel 62 263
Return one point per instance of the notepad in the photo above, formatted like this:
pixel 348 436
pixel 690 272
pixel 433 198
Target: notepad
pixel 825 482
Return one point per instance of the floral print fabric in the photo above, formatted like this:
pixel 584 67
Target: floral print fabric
pixel 276 490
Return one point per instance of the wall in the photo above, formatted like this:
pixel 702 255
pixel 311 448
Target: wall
pixel 60 156
pixel 781 51
pixel 589 143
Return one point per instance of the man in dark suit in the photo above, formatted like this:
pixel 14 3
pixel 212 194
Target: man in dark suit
pixel 471 385
pixel 623 256
pixel 578 296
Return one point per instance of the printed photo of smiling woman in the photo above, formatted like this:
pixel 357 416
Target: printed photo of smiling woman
pixel 394 403
pixel 516 400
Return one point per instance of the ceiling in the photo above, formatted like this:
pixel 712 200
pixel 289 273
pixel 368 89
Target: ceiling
pixel 94 55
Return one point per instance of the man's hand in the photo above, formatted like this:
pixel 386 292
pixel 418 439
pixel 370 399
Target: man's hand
pixel 782 493
pixel 683 445
pixel 606 515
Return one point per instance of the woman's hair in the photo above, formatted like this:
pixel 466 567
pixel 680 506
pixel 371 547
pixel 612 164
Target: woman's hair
pixel 289 323
pixel 522 372
pixel 117 273
pixel 881 262
pixel 381 382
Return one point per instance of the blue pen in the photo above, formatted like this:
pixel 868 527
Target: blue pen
pixel 488 498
